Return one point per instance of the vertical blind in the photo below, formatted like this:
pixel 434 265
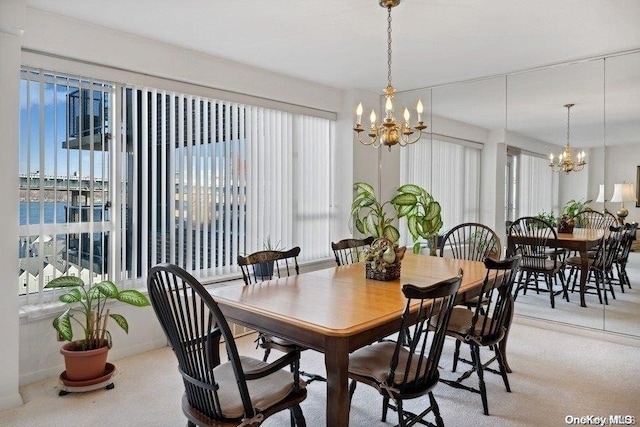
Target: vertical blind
pixel 450 172
pixel 537 186
pixel 208 180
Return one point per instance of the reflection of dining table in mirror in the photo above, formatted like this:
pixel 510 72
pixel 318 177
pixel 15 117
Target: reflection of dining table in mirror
pixel 337 310
pixel 581 240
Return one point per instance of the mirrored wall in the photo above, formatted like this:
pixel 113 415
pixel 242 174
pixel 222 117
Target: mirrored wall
pixel 524 114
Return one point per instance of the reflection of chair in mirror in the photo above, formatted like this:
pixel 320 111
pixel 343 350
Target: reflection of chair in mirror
pixel 241 390
pixel 540 257
pixel 623 257
pixel 600 266
pixel 264 265
pixel 593 220
pixel 485 326
pixel 471 241
pixel 401 372
pixel 347 251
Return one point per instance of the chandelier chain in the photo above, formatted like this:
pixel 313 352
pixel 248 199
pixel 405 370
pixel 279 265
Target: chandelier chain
pixel 389 45
pixel 568 120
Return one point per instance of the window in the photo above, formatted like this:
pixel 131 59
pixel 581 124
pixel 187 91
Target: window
pixel 184 179
pixel 64 166
pixel 450 172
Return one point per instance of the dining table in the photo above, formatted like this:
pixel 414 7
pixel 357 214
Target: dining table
pixel 580 240
pixel 337 310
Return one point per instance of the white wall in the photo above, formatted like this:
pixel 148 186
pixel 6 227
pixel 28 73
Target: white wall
pixel 11 23
pixel 621 163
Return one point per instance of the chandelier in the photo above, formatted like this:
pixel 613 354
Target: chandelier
pixel 565 162
pixel 389 132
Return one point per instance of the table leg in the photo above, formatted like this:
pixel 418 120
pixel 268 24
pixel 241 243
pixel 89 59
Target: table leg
pixel 336 359
pixel 507 323
pixel 584 271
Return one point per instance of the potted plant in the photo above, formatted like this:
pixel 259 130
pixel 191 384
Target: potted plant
pixel 548 217
pixel 264 270
pixel 573 207
pixel 85 358
pixel 482 243
pixel 370 216
pixel 423 215
pixel 383 259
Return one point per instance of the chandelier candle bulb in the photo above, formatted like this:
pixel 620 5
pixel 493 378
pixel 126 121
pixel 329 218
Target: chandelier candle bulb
pixel 419 109
pixel 359 114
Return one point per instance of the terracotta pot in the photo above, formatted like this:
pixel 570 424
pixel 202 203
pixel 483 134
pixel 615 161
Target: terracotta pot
pixel 84 365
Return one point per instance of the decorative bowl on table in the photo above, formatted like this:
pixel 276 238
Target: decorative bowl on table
pixel 383 260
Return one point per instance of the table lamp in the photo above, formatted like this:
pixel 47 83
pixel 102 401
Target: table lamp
pixel 623 193
pixel 600 198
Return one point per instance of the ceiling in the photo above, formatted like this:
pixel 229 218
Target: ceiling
pixel 342 43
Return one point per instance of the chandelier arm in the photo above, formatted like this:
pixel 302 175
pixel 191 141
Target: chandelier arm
pixel 405 139
pixel 372 141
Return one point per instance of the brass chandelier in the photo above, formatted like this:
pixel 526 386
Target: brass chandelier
pixel 389 132
pixel 564 162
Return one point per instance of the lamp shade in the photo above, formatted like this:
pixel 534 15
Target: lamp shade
pixel 624 193
pixel 600 198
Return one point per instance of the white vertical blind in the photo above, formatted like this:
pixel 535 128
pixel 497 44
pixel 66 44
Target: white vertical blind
pixel 537 186
pixel 450 172
pixel 227 178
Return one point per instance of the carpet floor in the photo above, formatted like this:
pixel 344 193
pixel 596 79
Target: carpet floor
pixel 555 375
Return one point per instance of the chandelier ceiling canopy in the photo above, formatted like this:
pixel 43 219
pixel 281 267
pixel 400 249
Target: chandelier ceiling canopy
pixel 388 132
pixel 565 162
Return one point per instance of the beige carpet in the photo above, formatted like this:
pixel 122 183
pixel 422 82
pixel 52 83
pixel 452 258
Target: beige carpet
pixel 555 375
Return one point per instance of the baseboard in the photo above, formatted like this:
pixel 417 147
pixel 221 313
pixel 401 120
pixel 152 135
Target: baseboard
pixel 12 400
pixel 599 334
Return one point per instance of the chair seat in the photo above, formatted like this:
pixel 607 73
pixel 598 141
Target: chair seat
pixel 270 340
pixel 460 327
pixel 577 261
pixel 373 362
pixel 265 392
pixel 534 264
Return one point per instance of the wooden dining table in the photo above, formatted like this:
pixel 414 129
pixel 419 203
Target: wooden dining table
pixel 337 310
pixel 581 240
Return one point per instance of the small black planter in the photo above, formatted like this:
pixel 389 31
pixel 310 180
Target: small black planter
pixel 263 271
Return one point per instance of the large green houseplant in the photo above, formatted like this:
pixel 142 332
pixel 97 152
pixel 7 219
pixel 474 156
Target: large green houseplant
pixel 423 215
pixel 87 308
pixel 371 216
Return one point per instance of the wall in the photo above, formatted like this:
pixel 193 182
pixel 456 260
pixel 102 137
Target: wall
pixel 621 164
pixel 11 25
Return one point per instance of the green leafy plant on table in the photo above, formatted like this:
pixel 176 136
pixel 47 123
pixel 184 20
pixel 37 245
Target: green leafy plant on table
pixel 88 309
pixel 548 217
pixel 370 216
pixel 423 214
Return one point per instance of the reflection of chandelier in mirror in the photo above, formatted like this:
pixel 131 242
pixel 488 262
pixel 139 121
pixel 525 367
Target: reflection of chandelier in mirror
pixel 389 132
pixel 565 162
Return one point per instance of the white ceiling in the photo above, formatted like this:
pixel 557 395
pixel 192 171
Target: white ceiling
pixel 342 43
